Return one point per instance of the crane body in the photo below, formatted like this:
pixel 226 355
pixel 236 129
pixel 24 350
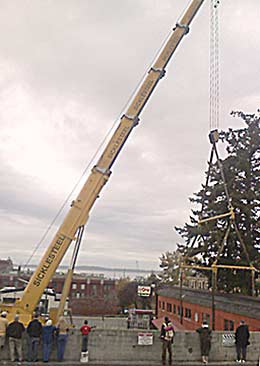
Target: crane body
pixel 81 206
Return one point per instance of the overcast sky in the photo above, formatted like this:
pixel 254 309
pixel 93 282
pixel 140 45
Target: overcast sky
pixel 67 69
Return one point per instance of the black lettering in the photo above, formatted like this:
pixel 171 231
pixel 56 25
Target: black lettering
pixel 45 267
pixel 49 260
pixel 143 95
pixel 118 142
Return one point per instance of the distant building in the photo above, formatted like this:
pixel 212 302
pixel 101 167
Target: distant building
pixel 6 265
pixel 196 305
pixel 88 295
pixel 196 281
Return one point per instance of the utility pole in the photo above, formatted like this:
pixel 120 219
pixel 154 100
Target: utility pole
pixel 181 296
pixel 213 292
pixel 253 282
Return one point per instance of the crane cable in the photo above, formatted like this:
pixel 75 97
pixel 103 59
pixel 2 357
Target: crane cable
pixel 214 104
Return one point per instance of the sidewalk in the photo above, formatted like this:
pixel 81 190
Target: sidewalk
pixel 129 363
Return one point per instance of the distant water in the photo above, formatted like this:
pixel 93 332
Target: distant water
pixel 117 274
pixel 111 273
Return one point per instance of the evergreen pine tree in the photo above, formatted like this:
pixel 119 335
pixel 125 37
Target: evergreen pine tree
pixel 241 171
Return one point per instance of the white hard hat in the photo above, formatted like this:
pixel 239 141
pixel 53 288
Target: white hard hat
pixel 49 322
pixel 4 313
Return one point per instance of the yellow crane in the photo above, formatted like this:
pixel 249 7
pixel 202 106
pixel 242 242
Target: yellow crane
pixel 78 214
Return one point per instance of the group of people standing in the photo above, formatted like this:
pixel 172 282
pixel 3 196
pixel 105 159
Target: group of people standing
pixel 37 332
pixel 242 336
pixel 46 333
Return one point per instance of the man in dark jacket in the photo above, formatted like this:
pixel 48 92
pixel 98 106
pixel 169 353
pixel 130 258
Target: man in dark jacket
pixel 242 341
pixel 15 331
pixel 205 341
pixel 34 331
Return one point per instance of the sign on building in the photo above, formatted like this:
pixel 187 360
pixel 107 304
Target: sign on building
pixel 228 340
pixel 145 339
pixel 144 291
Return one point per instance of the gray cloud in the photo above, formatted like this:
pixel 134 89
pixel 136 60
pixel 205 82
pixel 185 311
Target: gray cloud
pixel 67 70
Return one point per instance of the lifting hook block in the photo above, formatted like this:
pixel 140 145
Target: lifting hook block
pixel 213 136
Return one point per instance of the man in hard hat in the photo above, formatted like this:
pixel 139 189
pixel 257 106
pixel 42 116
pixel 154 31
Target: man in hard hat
pixel 3 326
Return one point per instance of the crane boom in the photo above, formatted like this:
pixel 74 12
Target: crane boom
pixel 80 208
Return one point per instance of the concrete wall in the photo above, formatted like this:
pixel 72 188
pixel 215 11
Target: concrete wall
pixel 105 323
pixel 122 345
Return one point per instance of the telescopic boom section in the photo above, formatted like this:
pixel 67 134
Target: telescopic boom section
pixel 80 208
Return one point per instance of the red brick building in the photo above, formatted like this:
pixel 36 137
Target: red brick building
pixel 88 295
pixel 197 306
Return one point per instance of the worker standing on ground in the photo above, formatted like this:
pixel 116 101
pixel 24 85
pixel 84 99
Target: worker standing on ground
pixel 34 331
pixel 3 326
pixel 63 333
pixel 47 339
pixel 205 341
pixel 167 335
pixel 15 331
pixel 242 341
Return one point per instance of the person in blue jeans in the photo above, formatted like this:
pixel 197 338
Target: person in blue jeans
pixel 62 330
pixel 47 338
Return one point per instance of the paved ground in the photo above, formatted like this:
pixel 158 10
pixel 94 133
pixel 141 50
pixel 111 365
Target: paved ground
pixel 71 363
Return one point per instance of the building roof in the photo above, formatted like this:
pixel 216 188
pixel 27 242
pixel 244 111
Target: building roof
pixel 231 303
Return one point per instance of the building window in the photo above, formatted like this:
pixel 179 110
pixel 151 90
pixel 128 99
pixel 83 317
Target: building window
pixel 187 313
pixel 83 286
pixel 231 325
pixel 174 309
pixel 78 295
pixel 228 324
pixel 169 307
pixel 107 290
pixel 163 305
pixel 160 304
pixel 179 310
pixel 196 317
pixel 93 290
pixel 74 286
